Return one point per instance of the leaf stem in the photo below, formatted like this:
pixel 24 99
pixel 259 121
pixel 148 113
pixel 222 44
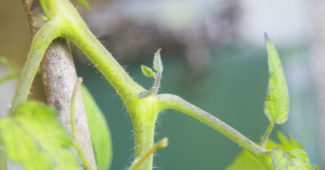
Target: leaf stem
pixel 156 83
pixel 42 39
pixel 82 156
pixel 267 134
pixel 73 101
pixel 169 101
pixel 139 161
pixel 103 60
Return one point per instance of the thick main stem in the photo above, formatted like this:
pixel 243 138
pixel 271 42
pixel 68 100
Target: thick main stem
pixel 169 101
pixel 144 140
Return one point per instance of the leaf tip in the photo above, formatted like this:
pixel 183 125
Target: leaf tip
pixel 164 142
pixel 157 63
pixel 266 37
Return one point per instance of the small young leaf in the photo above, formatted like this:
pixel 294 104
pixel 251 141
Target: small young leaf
pixel 157 63
pixel 99 131
pixel 147 71
pixel 276 106
pixel 85 3
pixel 33 137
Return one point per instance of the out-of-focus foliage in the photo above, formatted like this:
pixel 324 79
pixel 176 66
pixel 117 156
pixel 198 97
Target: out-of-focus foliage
pixel 13 74
pixel 33 137
pixel 99 131
pixel 284 155
pixel 84 3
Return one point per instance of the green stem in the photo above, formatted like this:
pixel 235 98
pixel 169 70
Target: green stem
pixel 82 156
pixel 267 135
pixel 41 41
pixel 139 161
pixel 143 139
pixel 144 111
pixel 125 86
pixel 72 109
pixel 76 30
pixel 169 101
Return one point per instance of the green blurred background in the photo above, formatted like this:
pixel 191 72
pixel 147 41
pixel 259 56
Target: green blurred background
pixel 231 86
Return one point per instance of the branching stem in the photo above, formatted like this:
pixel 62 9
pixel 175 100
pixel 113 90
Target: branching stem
pixel 41 41
pixel 66 22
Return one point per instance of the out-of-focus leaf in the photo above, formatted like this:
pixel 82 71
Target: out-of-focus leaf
pixel 6 62
pixel 284 143
pixel 84 3
pixel 246 161
pixel 99 131
pixel 147 71
pixel 8 77
pixel 157 63
pixel 280 160
pixel 33 137
pixel 294 160
pixel 288 148
pixel 12 74
pixel 276 105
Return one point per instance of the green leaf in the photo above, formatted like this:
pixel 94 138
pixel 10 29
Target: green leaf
pixel 289 148
pixel 276 106
pixel 84 3
pixel 99 131
pixel 33 137
pixel 295 160
pixel 147 71
pixel 284 143
pixel 157 63
pixel 246 161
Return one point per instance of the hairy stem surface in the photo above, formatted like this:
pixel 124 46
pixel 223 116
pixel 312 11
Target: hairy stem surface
pixel 169 101
pixel 139 161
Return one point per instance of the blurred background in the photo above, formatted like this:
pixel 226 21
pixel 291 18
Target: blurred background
pixel 214 56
